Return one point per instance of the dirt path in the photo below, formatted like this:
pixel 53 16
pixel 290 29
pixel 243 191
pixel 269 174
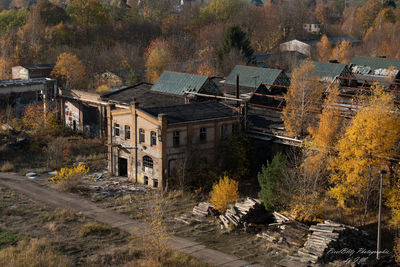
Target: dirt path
pixel 64 200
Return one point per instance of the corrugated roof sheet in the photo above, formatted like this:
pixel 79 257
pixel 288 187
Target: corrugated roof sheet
pixel 252 76
pixel 376 62
pixel 324 69
pixel 143 96
pixel 177 83
pixel 192 112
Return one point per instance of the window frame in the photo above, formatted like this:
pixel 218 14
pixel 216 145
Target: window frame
pixel 116 129
pixel 153 138
pixel 176 139
pixel 127 132
pixel 203 135
pixel 142 136
pixel 147 162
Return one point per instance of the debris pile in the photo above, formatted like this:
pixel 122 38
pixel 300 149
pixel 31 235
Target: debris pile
pixel 328 237
pixel 204 209
pixel 242 212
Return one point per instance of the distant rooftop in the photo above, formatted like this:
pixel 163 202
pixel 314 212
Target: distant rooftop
pixel 252 77
pixel 199 111
pixel 144 96
pixel 22 82
pixel 39 66
pixel 333 40
pixel 178 83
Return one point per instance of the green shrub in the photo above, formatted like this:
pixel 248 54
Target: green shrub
pixel 269 178
pixel 8 238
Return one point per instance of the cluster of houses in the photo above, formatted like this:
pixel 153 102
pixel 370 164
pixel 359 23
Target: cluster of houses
pixel 151 129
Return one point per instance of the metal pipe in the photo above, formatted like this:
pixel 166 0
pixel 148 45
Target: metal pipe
pixel 378 243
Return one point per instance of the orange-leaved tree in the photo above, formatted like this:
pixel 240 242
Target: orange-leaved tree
pixel 324 49
pixel 158 56
pixel 367 146
pixel 70 71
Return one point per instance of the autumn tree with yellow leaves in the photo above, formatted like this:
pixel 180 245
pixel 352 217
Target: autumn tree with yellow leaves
pixel 343 52
pixel 366 147
pixel 324 49
pixel 70 71
pixel 312 173
pixel 303 100
pixel 223 193
pixel 158 56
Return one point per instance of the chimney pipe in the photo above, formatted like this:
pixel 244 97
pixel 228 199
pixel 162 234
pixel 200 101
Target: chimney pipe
pixel 237 86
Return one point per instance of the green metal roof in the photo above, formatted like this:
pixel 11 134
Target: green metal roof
pixel 324 69
pixel 252 76
pixel 177 83
pixel 376 62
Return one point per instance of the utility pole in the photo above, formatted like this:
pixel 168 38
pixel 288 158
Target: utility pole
pixel 378 245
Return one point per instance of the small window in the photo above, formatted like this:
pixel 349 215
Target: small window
pixel 224 130
pixel 146 180
pixel 127 132
pixel 153 138
pixel 175 140
pixel 116 129
pixel 155 183
pixel 203 135
pixel 234 128
pixel 147 162
pixel 141 135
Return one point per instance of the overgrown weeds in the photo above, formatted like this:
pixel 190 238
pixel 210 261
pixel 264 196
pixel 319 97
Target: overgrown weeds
pixel 94 229
pixel 7 166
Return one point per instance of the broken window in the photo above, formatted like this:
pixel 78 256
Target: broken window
pixel 141 135
pixel 175 139
pixel 203 135
pixel 127 132
pixel 153 139
pixel 147 162
pixel 116 129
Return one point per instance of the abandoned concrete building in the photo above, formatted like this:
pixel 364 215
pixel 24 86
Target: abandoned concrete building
pixel 149 144
pixel 32 71
pixel 83 111
pixel 20 93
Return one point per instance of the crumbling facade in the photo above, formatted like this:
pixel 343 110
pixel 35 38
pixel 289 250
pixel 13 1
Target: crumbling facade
pixel 150 144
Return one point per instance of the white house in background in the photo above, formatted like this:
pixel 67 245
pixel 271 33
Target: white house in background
pixel 314 28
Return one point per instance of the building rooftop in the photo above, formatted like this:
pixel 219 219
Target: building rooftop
pixel 200 111
pixel 143 96
pixel 177 83
pixel 22 82
pixel 324 69
pixel 376 62
pixel 253 77
pixel 333 40
pixel 39 66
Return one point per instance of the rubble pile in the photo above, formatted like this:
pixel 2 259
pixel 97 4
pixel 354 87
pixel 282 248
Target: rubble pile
pixel 111 186
pixel 204 209
pixel 327 237
pixel 242 212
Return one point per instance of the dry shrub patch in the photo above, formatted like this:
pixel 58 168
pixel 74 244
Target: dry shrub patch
pixel 33 252
pixel 7 166
pixel 94 229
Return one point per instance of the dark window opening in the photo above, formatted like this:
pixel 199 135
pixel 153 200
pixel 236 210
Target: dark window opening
pixel 141 135
pixel 155 183
pixel 153 139
pixel 127 132
pixel 146 180
pixel 175 140
pixel 224 130
pixel 122 167
pixel 203 135
pixel 147 162
pixel 74 125
pixel 116 129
